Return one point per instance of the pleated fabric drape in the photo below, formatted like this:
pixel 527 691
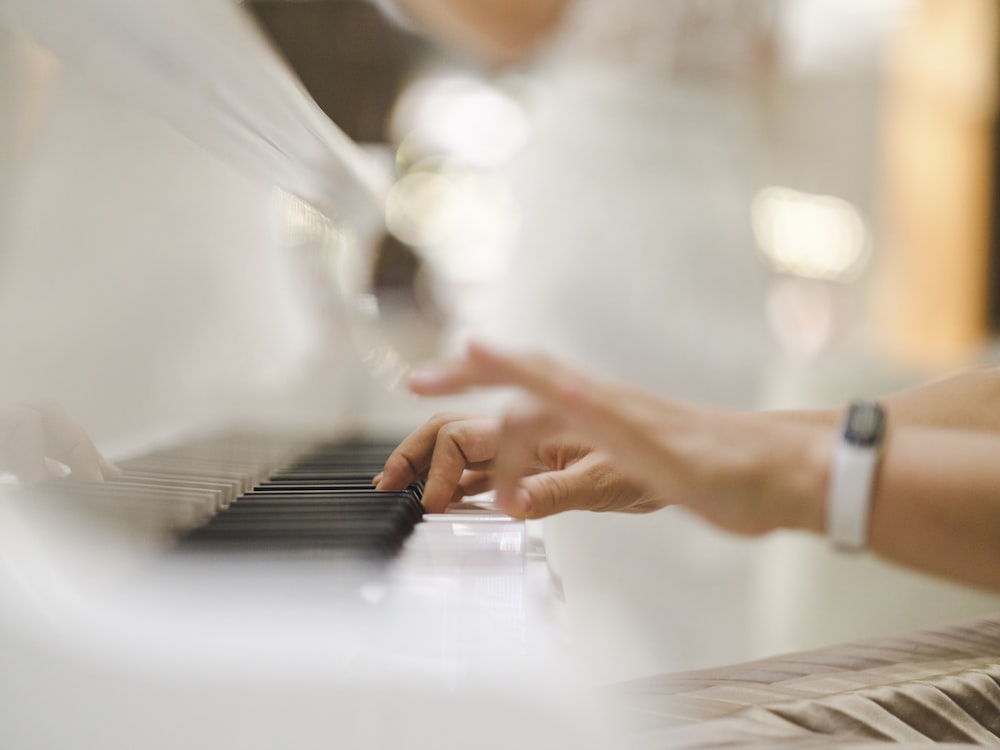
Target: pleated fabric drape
pixel 935 686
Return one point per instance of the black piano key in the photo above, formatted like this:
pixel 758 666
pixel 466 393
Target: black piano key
pixel 311 525
pixel 323 500
pixel 299 510
pixel 409 505
pixel 259 493
pixel 326 485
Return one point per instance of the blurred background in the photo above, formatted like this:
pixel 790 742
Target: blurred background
pixel 750 203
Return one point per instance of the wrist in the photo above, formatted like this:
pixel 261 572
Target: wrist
pixel 795 468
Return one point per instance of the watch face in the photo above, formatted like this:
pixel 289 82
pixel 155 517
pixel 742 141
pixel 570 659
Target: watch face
pixel 865 424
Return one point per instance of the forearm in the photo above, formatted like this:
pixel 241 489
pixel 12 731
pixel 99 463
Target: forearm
pixel 935 503
pixel 969 399
pixel 496 31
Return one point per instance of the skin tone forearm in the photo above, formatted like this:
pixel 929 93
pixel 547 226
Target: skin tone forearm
pixel 968 400
pixel 583 443
pixel 936 502
pixel 936 505
pixel 495 31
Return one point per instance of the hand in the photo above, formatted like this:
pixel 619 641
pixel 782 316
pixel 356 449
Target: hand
pixel 35 435
pixel 455 456
pixel 748 473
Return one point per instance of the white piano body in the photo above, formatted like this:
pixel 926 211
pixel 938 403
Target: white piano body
pixel 110 639
pixel 143 287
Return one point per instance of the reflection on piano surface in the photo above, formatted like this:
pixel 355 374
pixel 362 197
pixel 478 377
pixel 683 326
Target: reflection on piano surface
pixel 126 612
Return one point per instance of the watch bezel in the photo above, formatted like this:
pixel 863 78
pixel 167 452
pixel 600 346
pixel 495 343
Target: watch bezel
pixel 864 423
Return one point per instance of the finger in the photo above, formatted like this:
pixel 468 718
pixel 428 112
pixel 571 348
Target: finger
pixel 525 425
pixel 410 460
pixel 481 366
pixel 618 417
pixel 446 376
pixel 553 492
pixel 583 485
pixel 558 384
pixel 591 484
pixel 540 375
pixel 576 396
pixel 475 483
pixel 469 444
pixel 622 419
pixel 548 493
pixel 472 483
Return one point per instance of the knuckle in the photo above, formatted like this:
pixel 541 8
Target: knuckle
pixel 399 465
pixel 524 413
pixel 442 419
pixel 452 431
pixel 578 391
pixel 449 451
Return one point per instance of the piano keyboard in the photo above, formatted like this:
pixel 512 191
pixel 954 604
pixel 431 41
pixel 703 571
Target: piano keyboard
pixel 322 501
pixel 263 494
pixel 123 594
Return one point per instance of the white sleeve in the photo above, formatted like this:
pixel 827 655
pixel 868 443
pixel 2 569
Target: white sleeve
pixel 205 67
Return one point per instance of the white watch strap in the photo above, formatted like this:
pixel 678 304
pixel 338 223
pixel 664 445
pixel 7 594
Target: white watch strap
pixel 851 475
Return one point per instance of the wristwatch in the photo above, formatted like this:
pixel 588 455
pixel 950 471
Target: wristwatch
pixel 852 474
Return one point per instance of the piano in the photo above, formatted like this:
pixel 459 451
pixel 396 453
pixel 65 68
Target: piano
pixel 216 595
pixel 235 591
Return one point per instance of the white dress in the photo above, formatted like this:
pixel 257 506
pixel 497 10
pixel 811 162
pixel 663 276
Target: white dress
pixel 635 255
pixel 635 259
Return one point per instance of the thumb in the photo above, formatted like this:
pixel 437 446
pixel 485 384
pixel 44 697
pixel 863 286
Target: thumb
pixel 551 492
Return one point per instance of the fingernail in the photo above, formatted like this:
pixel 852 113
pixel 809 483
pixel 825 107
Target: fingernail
pixel 426 375
pixel 377 479
pixel 517 503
